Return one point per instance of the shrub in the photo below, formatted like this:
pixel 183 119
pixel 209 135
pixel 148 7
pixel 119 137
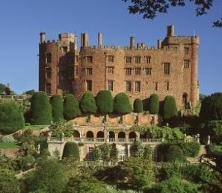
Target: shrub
pixel 138 106
pixel 121 104
pixel 8 139
pixel 11 117
pixel 211 107
pixel 174 153
pixel 154 104
pixel 57 108
pixel 71 107
pixel 169 108
pixel 71 150
pixel 190 149
pixel 41 111
pixel 27 162
pixel 214 129
pixel 104 102
pixel 88 103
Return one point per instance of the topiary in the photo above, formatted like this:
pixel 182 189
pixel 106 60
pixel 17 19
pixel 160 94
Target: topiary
pixel 88 103
pixel 71 149
pixel 71 107
pixel 169 108
pixel 121 104
pixel 138 106
pixel 41 111
pixel 154 104
pixel 11 117
pixel 104 102
pixel 174 153
pixel 57 108
pixel 8 139
pixel 27 162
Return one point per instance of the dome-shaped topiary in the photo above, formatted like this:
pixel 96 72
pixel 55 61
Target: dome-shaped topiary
pixel 154 104
pixel 71 107
pixel 71 150
pixel 121 104
pixel 138 106
pixel 104 102
pixel 57 108
pixel 41 111
pixel 169 107
pixel 88 103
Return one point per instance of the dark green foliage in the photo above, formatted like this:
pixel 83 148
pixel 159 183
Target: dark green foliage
pixel 8 182
pixel 190 149
pixel 154 104
pixel 214 129
pixel 11 117
pixel 71 107
pixel 27 162
pixel 211 107
pixel 147 152
pixel 113 153
pixel 169 108
pixel 136 149
pixel 138 106
pixel 57 108
pixel 105 152
pixel 88 103
pixel 96 154
pixel 41 111
pixel 71 150
pixel 174 153
pixel 122 104
pixel 104 102
pixel 49 176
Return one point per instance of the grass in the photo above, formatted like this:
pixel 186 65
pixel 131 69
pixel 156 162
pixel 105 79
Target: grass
pixel 35 127
pixel 7 145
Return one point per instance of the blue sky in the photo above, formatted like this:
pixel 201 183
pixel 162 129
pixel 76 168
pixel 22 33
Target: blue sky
pixel 22 20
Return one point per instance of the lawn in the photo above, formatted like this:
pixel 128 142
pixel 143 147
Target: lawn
pixel 36 127
pixel 7 145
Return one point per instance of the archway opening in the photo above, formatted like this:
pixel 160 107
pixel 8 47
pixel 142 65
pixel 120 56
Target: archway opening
pixel 132 136
pixel 89 135
pixel 121 137
pixel 76 135
pixel 100 136
pixel 111 136
pixel 186 101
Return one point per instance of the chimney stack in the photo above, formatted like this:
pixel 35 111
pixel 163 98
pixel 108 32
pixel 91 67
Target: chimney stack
pixel 42 37
pixel 132 42
pixel 84 40
pixel 159 44
pixel 170 30
pixel 100 39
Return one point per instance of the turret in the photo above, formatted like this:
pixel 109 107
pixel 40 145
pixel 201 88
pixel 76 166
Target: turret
pixel 132 42
pixel 170 30
pixel 100 39
pixel 84 40
pixel 42 37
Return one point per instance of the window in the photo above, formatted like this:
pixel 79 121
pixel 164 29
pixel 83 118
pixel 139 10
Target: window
pixel 147 59
pixel 156 85
pixel 48 88
pixel 110 85
pixel 128 59
pixel 110 58
pixel 148 71
pixel 88 71
pixel 65 49
pixel 137 59
pixel 167 85
pixel 128 86
pixel 166 68
pixel 48 58
pixel 137 71
pixel 128 71
pixel 137 86
pixel 186 50
pixel 110 70
pixel 48 72
pixel 89 85
pixel 186 63
pixel 89 59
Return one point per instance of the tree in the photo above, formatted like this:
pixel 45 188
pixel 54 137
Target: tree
pixel 174 153
pixel 48 176
pixel 169 107
pixel 57 108
pixel 113 153
pixel 2 88
pixel 211 107
pixel 104 102
pixel 71 150
pixel 71 107
pixel 121 104
pixel 138 106
pixel 154 104
pixel 136 149
pixel 8 182
pixel 11 117
pixel 150 9
pixel 41 111
pixel 88 103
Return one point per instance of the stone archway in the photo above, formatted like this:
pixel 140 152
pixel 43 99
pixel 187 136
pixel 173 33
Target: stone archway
pixel 89 136
pixel 121 136
pixel 132 136
pixel 100 136
pixel 111 136
pixel 76 135
pixel 185 101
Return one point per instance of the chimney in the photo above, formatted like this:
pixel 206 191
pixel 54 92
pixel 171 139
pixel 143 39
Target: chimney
pixel 100 39
pixel 159 44
pixel 170 30
pixel 132 42
pixel 84 40
pixel 42 37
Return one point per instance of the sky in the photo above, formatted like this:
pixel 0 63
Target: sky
pixel 21 21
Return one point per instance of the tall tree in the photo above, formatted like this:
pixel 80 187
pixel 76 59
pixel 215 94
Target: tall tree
pixel 88 103
pixel 121 104
pixel 169 107
pixel 138 106
pixel 150 9
pixel 104 102
pixel 154 104
pixel 57 108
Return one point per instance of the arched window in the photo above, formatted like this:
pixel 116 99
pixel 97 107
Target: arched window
pixel 100 136
pixel 48 58
pixel 76 135
pixel 132 136
pixel 89 135
pixel 111 136
pixel 121 136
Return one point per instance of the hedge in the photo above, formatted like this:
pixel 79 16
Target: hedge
pixel 154 104
pixel 88 103
pixel 169 108
pixel 138 106
pixel 71 149
pixel 57 108
pixel 121 104
pixel 104 102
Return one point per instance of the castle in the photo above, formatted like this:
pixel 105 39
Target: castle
pixel 170 68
